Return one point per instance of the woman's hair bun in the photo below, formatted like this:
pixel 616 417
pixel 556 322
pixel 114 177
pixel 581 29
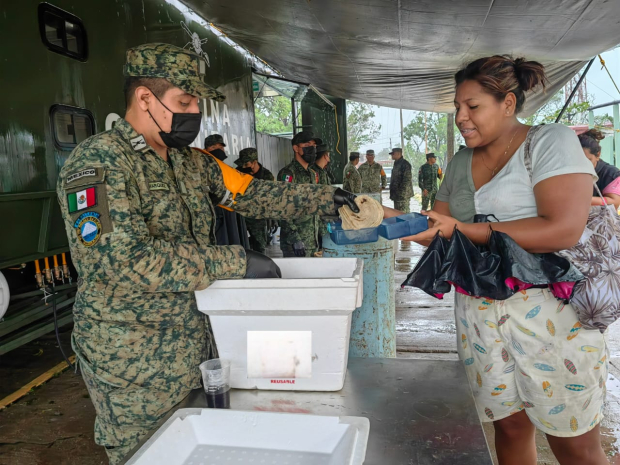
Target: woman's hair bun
pixel 530 74
pixel 594 134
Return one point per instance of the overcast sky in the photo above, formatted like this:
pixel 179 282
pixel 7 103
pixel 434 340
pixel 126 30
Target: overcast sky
pixel 598 83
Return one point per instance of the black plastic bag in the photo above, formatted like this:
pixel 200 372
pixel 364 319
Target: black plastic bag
pixel 497 270
pixel 425 272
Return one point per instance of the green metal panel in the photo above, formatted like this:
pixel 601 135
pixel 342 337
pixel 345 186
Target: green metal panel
pixel 34 78
pixel 322 118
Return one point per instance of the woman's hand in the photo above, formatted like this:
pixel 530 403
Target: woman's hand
pixel 437 222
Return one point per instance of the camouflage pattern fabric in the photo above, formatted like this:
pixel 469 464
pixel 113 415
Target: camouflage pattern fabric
pixel 183 68
pixel 305 230
pixel 428 176
pixel 402 205
pixel 258 228
pixel 324 180
pixel 352 181
pixel 141 237
pixel 401 184
pixel 373 177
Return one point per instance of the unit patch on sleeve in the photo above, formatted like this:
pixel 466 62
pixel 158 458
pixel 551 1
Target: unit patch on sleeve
pixel 288 178
pixel 158 186
pixel 89 172
pixel 83 199
pixel 316 177
pixel 88 228
pixel 138 143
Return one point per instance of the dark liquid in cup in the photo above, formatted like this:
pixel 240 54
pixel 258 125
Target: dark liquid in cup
pixel 218 399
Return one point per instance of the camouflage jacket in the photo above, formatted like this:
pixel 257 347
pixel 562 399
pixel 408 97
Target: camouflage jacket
pixel 352 181
pixel 303 229
pixel 323 179
pixel 428 176
pixel 141 236
pixel 401 183
pixel 263 173
pixel 373 177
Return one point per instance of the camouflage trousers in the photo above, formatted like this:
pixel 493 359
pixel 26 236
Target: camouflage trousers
pixel 402 205
pixel 258 234
pixel 428 201
pixel 126 414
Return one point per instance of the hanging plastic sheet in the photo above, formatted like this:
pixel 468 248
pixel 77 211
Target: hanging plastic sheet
pixel 496 271
pixel 404 53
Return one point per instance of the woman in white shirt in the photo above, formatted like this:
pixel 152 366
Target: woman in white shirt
pixel 529 362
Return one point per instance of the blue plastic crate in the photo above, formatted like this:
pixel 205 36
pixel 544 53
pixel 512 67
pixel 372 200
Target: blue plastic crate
pixel 347 237
pixel 403 226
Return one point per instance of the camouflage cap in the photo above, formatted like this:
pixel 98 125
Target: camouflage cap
pixel 370 152
pixel 396 149
pixel 246 155
pixel 322 148
pixel 214 139
pixel 185 69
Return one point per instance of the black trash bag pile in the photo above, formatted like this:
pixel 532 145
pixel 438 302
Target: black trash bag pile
pixel 497 270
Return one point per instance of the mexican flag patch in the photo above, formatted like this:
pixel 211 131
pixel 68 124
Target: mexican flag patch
pixel 288 178
pixel 82 199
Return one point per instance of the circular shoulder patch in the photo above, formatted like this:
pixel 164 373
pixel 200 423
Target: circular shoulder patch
pixel 88 228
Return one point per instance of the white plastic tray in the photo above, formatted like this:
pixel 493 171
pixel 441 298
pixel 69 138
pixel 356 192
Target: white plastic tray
pixel 216 437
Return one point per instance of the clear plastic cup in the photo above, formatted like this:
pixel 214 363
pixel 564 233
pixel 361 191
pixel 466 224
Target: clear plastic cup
pixel 216 380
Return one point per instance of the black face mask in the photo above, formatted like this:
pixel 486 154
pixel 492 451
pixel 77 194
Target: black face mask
pixel 247 170
pixel 219 154
pixel 309 155
pixel 184 129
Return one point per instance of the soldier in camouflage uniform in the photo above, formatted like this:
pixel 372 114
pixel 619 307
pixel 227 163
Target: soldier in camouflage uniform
pixel 137 203
pixel 300 238
pixel 352 181
pixel 323 157
pixel 428 175
pixel 401 184
pixel 373 177
pixel 260 230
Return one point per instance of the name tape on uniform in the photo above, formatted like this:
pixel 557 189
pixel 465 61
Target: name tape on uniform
pixel 81 174
pixel 158 186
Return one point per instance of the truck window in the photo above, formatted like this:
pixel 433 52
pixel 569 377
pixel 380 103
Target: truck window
pixel 62 32
pixel 70 125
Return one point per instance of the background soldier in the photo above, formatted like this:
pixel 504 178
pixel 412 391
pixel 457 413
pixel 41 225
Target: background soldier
pixel 214 144
pixel 401 184
pixel 230 228
pixel 352 181
pixel 323 158
pixel 300 238
pixel 137 207
pixel 428 176
pixel 373 177
pixel 260 230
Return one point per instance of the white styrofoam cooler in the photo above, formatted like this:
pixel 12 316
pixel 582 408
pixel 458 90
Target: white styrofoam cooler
pixel 290 333
pixel 215 437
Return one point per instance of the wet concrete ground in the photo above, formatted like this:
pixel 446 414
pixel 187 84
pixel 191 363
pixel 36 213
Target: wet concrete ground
pixel 54 423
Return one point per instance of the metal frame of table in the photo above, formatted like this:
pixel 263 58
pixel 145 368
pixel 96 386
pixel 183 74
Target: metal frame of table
pixel 420 411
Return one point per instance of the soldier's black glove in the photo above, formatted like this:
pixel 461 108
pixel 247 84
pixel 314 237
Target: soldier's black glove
pixel 342 197
pixel 259 266
pixel 299 248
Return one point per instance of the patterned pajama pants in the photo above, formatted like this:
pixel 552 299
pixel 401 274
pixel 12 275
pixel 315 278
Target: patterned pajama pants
pixel 531 353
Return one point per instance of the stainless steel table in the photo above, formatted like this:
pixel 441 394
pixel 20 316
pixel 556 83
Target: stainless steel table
pixel 420 411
